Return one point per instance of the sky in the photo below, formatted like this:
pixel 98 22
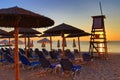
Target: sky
pixel 73 12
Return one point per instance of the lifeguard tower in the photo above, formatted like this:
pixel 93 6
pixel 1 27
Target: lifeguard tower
pixel 98 42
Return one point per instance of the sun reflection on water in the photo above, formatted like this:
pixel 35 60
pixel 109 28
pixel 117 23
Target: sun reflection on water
pixel 101 47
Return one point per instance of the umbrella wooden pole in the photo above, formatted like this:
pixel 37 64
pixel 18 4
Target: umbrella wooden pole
pixel 17 72
pixel 9 43
pixel 28 43
pixel 32 44
pixel 50 43
pixel 63 46
pixel 25 46
pixel 79 46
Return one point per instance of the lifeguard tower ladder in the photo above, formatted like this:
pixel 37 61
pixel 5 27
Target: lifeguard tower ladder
pixel 98 42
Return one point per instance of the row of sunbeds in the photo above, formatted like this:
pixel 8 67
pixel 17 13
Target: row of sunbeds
pixel 41 61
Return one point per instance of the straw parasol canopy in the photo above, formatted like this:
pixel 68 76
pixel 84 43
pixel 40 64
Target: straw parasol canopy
pixel 27 18
pixel 78 34
pixel 3 32
pixel 4 42
pixel 18 17
pixel 63 29
pixel 49 35
pixel 43 41
pixel 19 42
pixel 26 32
pixel 9 36
pixel 28 35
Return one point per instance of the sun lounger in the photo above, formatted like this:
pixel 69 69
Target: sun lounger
pixel 46 65
pixel 86 56
pixel 39 53
pixel 8 58
pixel 29 53
pixel 45 52
pixel 70 69
pixel 76 52
pixel 69 54
pixel 54 54
pixel 27 63
pixel 8 61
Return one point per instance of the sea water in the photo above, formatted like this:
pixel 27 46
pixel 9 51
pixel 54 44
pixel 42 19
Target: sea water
pixel 112 46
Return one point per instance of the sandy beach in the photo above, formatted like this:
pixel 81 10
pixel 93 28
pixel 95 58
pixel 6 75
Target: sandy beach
pixel 98 69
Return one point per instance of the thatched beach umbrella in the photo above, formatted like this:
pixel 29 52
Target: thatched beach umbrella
pixel 43 41
pixel 28 36
pixel 26 32
pixel 3 32
pixel 49 35
pixel 18 17
pixel 63 29
pixel 9 36
pixel 4 41
pixel 19 42
pixel 80 34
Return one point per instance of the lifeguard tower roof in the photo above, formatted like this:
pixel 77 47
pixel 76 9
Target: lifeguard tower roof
pixel 99 16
